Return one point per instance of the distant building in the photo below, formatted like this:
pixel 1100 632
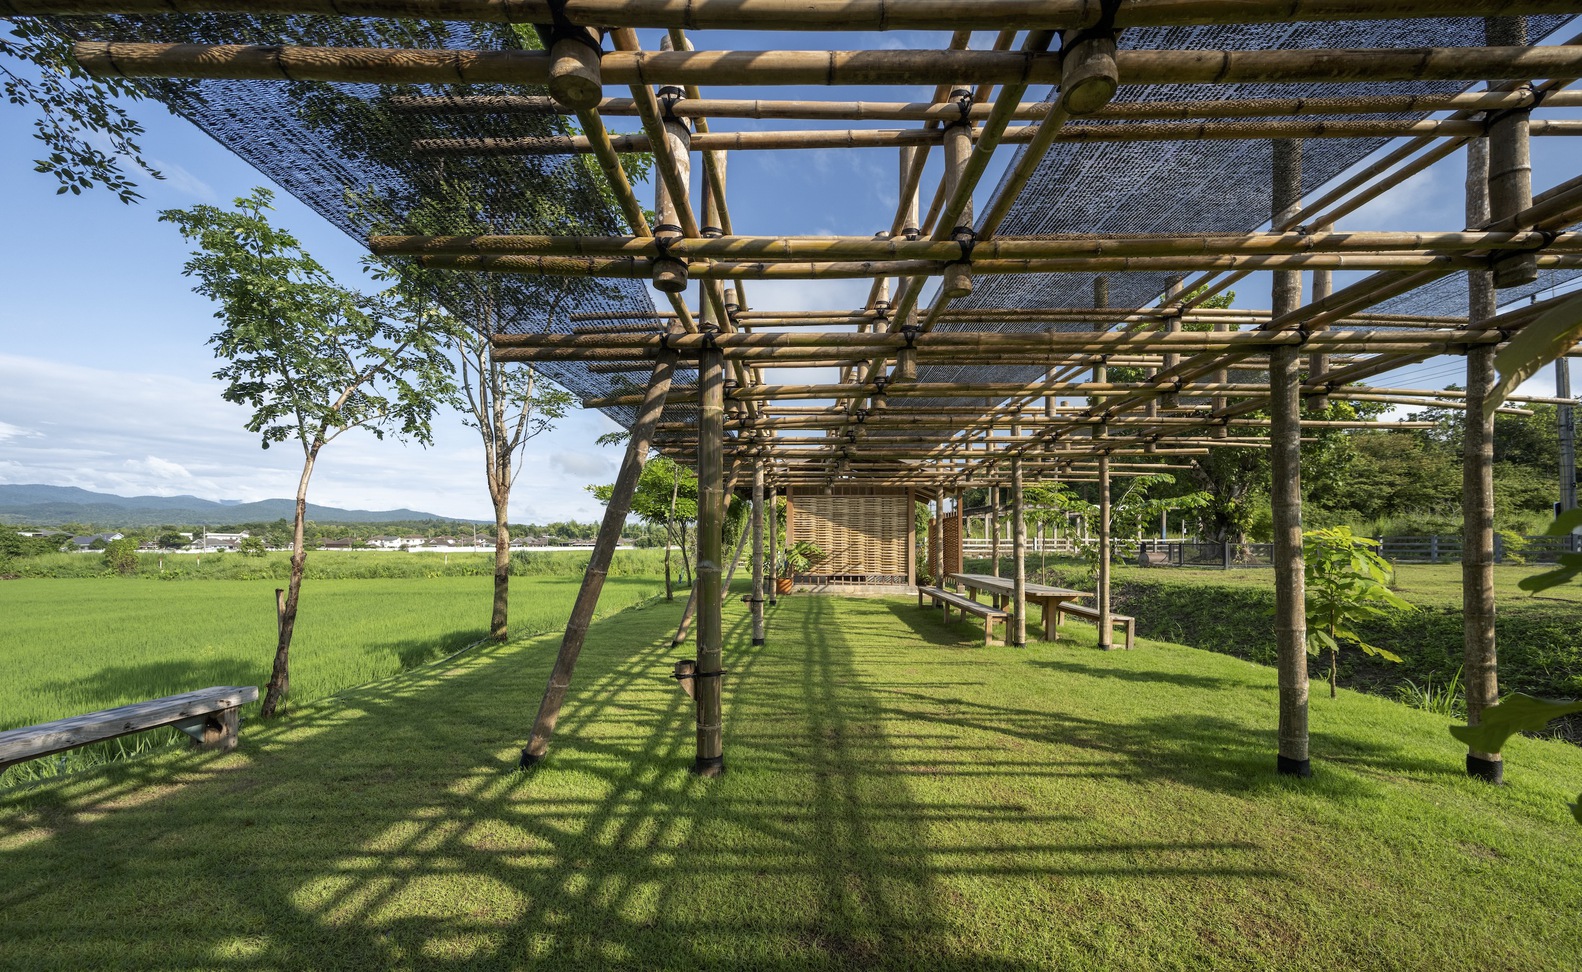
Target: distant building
pixel 219 541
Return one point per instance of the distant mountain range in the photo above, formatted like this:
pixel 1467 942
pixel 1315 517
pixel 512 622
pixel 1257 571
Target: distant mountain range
pixel 41 505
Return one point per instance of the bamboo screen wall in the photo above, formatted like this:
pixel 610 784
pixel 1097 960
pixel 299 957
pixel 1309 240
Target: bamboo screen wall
pixel 866 537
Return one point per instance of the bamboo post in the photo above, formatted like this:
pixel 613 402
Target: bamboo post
pixel 937 542
pixel 1019 550
pixel 994 530
pixel 574 78
pixel 1565 420
pixel 1088 72
pixel 670 274
pixel 1510 158
pixel 713 192
pixel 599 563
pixel 710 759
pixel 957 280
pixel 1106 638
pixel 1172 326
pixel 774 542
pixel 1318 361
pixel 758 553
pixel 1290 621
pixel 910 157
pixel 1480 664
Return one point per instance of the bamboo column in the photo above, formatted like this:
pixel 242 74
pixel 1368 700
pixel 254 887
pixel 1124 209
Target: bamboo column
pixel 599 563
pixel 937 542
pixel 994 529
pixel 711 521
pixel 1510 159
pixel 1106 639
pixel 1565 420
pixel 1318 361
pixel 758 552
pixel 670 274
pixel 1019 550
pixel 957 278
pixel 1285 490
pixel 1480 663
pixel 774 542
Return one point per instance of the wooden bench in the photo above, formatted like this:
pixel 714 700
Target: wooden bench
pixel 965 606
pixel 1092 614
pixel 208 715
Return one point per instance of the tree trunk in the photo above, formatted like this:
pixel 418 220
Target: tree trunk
pixel 280 678
pixel 1334 664
pixel 502 569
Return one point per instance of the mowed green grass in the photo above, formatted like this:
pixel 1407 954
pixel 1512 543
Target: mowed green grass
pixel 74 646
pixel 897 797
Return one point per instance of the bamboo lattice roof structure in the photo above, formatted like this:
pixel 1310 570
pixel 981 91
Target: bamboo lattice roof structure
pixel 1053 317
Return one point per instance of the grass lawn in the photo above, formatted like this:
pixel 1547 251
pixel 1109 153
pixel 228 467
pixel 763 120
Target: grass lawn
pixel 73 646
pixel 896 798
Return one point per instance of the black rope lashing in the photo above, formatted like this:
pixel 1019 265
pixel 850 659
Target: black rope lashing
pixel 966 238
pixel 562 27
pixel 678 676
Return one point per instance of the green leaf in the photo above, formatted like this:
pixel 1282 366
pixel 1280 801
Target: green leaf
pixel 1551 335
pixel 1517 713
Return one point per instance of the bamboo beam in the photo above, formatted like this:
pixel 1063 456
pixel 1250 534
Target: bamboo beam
pixel 955 343
pixel 759 141
pixel 864 248
pixel 933 111
pixel 806 15
pixel 102 59
pixel 599 562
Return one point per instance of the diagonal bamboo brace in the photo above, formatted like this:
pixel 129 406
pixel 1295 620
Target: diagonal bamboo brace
pixel 599 565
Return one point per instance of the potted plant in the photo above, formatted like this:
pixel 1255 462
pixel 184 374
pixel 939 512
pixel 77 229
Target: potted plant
pixel 796 559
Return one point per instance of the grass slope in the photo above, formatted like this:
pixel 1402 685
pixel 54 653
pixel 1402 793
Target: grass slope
pixel 1539 638
pixel 73 646
pixel 897 798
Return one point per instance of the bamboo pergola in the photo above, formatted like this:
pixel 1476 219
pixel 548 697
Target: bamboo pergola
pixel 1153 153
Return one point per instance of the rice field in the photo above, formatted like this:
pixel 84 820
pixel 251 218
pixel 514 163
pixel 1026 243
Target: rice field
pixel 73 646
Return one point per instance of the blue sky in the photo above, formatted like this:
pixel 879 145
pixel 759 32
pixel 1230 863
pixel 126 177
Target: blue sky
pixel 105 375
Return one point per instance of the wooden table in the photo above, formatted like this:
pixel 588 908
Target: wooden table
pixel 1003 589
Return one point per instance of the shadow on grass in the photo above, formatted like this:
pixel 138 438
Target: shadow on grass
pixel 386 827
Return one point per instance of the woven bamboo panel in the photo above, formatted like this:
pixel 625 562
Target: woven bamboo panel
pixel 951 544
pixel 862 535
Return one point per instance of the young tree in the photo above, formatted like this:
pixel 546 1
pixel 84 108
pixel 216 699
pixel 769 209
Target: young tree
pixel 666 494
pixel 312 359
pixel 507 406
pixel 1346 584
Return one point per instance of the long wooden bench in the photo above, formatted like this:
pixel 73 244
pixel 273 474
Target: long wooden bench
pixel 1092 614
pixel 947 600
pixel 208 715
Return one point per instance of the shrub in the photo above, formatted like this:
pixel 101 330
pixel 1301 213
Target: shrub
pixel 121 555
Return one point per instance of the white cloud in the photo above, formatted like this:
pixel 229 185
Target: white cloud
pixel 582 464
pixel 9 431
